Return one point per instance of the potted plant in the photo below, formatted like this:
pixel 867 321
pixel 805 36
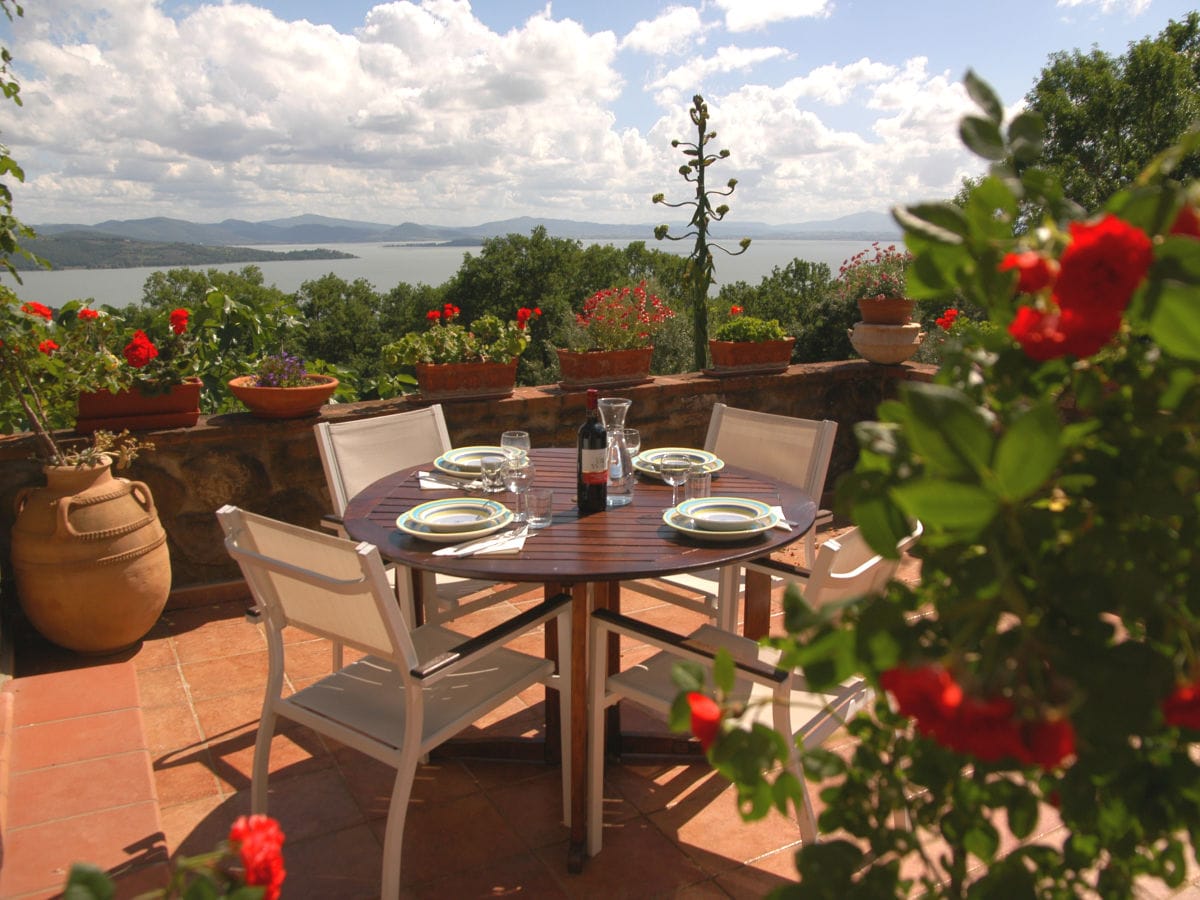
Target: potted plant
pixel 282 388
pixel 612 342
pixel 89 554
pixel 875 281
pixel 454 362
pixel 744 344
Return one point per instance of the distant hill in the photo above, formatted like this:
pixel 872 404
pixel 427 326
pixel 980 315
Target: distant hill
pixel 94 249
pixel 313 229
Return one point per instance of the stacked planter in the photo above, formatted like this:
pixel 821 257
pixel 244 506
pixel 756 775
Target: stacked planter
pixel 886 334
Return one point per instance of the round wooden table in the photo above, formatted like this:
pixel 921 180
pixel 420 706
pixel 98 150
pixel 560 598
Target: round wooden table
pixel 587 557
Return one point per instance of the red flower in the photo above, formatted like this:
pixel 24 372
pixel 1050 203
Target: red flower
pixel 926 694
pixel 1187 222
pixel 450 311
pixel 139 351
pixel 1049 741
pixel 179 320
pixel 1034 271
pixel 735 310
pixel 47 346
pixel 37 309
pixel 946 320
pixel 706 718
pixel 1182 708
pixel 1102 266
pixel 86 313
pixel 1045 336
pixel 260 844
pixel 433 315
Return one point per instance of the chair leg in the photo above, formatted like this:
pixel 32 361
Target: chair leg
pixel 262 763
pixel 806 818
pixel 728 596
pixel 393 840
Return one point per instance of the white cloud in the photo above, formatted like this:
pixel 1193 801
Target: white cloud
pixel 1130 7
pixel 747 15
pixel 675 31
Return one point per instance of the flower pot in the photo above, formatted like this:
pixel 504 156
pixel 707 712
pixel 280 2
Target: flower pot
pixel 466 381
pixel 749 357
pixel 90 559
pixel 604 368
pixel 886 310
pixel 887 344
pixel 283 402
pixel 178 407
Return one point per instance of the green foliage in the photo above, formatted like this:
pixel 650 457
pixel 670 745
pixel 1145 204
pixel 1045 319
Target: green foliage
pixel 488 339
pixel 749 329
pixel 1059 565
pixel 624 318
pixel 699 272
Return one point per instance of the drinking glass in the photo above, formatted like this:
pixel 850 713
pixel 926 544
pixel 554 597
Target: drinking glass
pixel 539 507
pixel 491 471
pixel 674 470
pixel 518 475
pixel 699 483
pixel 515 440
pixel 633 440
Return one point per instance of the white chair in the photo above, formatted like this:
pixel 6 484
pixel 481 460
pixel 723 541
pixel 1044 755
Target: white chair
pixel 414 688
pixel 357 452
pixel 845 567
pixel 789 449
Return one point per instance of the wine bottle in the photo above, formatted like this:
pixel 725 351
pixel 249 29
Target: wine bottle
pixel 592 447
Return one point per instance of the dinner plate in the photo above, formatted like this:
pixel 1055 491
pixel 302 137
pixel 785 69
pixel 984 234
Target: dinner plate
pixel 724 513
pixel 456 514
pixel 419 530
pixel 646 462
pixel 464 461
pixel 685 525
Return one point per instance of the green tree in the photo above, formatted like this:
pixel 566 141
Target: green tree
pixel 1106 117
pixel 12 231
pixel 792 294
pixel 341 326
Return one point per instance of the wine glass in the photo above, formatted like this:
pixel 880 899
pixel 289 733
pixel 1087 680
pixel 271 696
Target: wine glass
pixel 633 440
pixel 515 443
pixel 518 475
pixel 674 469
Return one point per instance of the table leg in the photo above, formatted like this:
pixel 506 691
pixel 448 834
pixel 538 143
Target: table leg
pixel 554 748
pixel 758 605
pixel 608 596
pixel 577 846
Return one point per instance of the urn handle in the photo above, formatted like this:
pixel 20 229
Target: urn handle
pixel 19 500
pixel 139 491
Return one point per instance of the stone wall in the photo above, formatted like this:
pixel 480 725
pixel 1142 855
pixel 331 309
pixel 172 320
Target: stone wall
pixel 273 467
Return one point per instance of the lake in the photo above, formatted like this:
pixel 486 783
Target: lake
pixel 385 266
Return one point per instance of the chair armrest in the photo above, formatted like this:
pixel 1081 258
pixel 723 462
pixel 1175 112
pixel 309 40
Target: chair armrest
pixel 669 640
pixel 333 522
pixel 509 628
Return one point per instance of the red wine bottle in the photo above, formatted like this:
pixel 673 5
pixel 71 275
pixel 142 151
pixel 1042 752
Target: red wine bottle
pixel 592 447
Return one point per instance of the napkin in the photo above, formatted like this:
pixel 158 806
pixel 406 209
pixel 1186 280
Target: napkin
pixel 782 523
pixel 512 545
pixel 432 483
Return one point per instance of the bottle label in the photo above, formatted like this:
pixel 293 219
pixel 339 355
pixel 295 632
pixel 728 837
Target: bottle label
pixel 593 466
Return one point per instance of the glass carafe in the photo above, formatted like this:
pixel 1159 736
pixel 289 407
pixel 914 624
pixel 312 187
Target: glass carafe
pixel 620 465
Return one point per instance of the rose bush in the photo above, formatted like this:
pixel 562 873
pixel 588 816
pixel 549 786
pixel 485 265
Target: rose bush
pixel 1046 668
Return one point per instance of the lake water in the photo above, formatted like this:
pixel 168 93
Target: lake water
pixel 385 266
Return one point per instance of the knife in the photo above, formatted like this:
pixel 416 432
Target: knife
pixel 483 543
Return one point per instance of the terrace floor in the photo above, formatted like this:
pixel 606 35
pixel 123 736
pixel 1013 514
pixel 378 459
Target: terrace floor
pixel 129 761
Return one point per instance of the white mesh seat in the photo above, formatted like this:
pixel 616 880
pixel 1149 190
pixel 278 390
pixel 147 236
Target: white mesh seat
pixel 414 688
pixel 844 567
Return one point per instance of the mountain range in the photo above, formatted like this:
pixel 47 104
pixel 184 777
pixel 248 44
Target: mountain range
pixel 314 229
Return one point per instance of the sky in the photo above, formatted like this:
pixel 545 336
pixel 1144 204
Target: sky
pixel 451 112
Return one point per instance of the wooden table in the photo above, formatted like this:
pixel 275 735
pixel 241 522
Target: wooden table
pixel 587 557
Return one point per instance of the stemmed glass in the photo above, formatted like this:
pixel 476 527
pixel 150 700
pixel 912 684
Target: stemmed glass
pixel 633 440
pixel 518 475
pixel 512 441
pixel 674 469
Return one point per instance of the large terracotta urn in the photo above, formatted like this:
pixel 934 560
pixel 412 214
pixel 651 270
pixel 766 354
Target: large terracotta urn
pixel 90 558
pixel 604 368
pixel 886 344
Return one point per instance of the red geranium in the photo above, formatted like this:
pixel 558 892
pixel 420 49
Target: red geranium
pixel 524 314
pixel 179 320
pixel 433 315
pixel 48 346
pixel 140 350
pixel 736 310
pixel 37 309
pixel 259 842
pixel 1034 271
pixel 946 320
pixel 1182 707
pixel 1102 266
pixel 1187 221
pixel 706 718
pixel 87 313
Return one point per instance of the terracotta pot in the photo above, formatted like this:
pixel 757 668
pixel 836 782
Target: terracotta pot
pixel 887 344
pixel 749 357
pixel 466 381
pixel 90 559
pixel 178 407
pixel 283 402
pixel 604 368
pixel 886 310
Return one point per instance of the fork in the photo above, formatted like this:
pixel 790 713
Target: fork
pixel 490 541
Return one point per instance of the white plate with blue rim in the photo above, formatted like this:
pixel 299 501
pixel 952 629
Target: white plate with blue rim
pixel 646 462
pixel 464 462
pixel 724 513
pixel 421 530
pixel 457 514
pixel 687 525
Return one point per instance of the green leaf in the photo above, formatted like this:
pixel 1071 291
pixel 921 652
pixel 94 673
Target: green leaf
pixel 788 791
pixel 1175 323
pixel 1022 810
pixel 945 216
pixel 688 675
pixel 88 882
pixel 947 505
pixel 983 95
pixel 911 220
pixel 982 840
pixel 1025 136
pixel 982 137
pixel 948 430
pixel 1027 453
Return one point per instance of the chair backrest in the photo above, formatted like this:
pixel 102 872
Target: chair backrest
pixel 847 566
pixel 789 449
pixel 324 585
pixel 360 451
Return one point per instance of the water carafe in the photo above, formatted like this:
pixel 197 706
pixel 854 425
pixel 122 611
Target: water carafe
pixel 620 465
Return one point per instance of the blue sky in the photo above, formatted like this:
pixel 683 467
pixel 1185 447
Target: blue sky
pixel 457 112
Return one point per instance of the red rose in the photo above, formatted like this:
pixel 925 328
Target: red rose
pixel 1182 708
pixel 37 309
pixel 1049 741
pixel 926 693
pixel 1034 271
pixel 1045 336
pixel 139 351
pixel 1187 222
pixel 86 313
pixel 1102 266
pixel 47 346
pixel 260 845
pixel 179 320
pixel 706 718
